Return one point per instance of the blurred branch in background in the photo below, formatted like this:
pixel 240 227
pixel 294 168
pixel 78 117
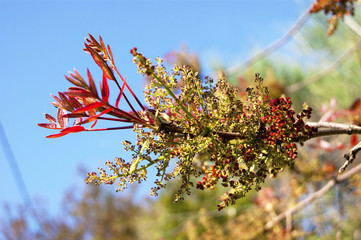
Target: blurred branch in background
pixel 330 184
pixel 273 46
pixel 326 71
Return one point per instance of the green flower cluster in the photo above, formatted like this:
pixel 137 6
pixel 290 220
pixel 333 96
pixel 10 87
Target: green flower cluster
pixel 212 137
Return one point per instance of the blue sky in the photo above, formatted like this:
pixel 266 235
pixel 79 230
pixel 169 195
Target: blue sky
pixel 42 40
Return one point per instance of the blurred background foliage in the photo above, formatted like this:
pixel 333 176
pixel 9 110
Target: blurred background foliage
pixel 97 213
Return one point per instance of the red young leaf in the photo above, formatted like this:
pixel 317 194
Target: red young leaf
pixel 49 125
pixel 78 92
pixel 77 121
pixel 105 89
pixel 120 95
pixel 65 102
pixel 101 63
pixel 57 135
pixel 74 81
pixel 61 120
pixel 60 103
pixel 94 41
pixel 66 131
pixel 92 118
pixel 73 129
pixel 103 47
pixel 111 54
pixel 92 86
pixel 89 107
pixel 95 122
pixel 56 104
pixel 75 103
pixel 130 90
pixel 50 118
pixel 75 115
pixel 354 140
pixel 88 101
pixel 77 76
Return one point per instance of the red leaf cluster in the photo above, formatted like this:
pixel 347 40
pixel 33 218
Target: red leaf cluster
pixel 83 102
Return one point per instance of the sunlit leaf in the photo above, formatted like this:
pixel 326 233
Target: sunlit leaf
pixel 105 89
pixel 77 76
pixel 61 120
pixel 75 103
pixel 56 104
pixel 92 86
pixel 73 129
pixel 50 118
pixel 77 121
pixel 95 122
pixel 78 92
pixel 111 54
pixel 49 125
pixel 94 41
pixel 65 102
pixel 75 115
pixel 56 135
pixel 100 62
pixel 103 47
pixel 92 118
pixel 61 104
pixel 89 107
pixel 74 81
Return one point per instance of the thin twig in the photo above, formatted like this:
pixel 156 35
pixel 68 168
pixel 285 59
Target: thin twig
pixel 335 129
pixel 350 157
pixel 326 71
pixel 351 23
pixel 339 196
pixel 272 47
pixel 312 197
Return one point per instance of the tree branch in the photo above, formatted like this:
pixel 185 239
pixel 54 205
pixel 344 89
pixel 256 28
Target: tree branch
pixel 273 46
pixel 350 157
pixel 331 183
pixel 333 129
pixel 326 71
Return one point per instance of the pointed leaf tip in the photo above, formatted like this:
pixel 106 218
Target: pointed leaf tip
pixel 89 107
